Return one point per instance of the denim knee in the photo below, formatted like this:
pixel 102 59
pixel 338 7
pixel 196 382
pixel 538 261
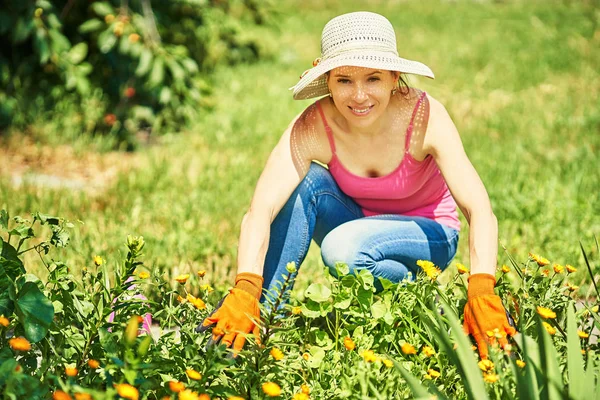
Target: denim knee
pixel 339 246
pixel 317 179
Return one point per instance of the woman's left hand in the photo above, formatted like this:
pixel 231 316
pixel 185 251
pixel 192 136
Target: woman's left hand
pixel 484 313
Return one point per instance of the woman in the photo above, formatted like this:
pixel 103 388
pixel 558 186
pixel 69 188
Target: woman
pixel 396 171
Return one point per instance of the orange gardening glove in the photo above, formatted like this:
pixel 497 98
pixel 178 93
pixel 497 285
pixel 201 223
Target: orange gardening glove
pixel 236 312
pixel 484 312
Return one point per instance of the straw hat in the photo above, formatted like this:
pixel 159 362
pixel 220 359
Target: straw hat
pixel 359 39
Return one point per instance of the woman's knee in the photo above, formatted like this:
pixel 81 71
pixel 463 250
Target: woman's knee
pixel 344 246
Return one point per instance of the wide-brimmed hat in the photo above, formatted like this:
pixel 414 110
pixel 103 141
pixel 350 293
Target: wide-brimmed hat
pixel 358 39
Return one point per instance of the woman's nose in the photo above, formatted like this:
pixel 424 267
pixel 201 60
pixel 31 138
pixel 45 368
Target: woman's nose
pixel 360 94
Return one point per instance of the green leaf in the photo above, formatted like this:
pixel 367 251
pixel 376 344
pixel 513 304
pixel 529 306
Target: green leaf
pixel 102 8
pixel 22 29
pixel 552 387
pixel 317 292
pixel 35 312
pixel 4 219
pixel 366 278
pixel 415 385
pixel 165 95
pixel 317 355
pixel 145 62
pixel 91 25
pixel 578 386
pixel 176 71
pixel 378 309
pixel 342 301
pixel 158 73
pixel 106 41
pixel 77 53
pixel 191 66
pixel 8 252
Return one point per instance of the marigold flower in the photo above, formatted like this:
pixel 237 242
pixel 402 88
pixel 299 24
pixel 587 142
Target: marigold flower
pixel 109 18
pixel 188 394
pixel 433 373
pixel 545 312
pixel 349 343
pixel 570 268
pixel 486 365
pixel 127 391
pixel 60 395
pixel 549 328
pixel 594 309
pixel 93 364
pixel 428 351
pixel 408 348
pixel 461 268
pixel 235 398
pixel 505 269
pixel 201 273
pixel 203 396
pixel 182 278
pixel 176 386
pixel 545 272
pixel 305 389
pixel 296 310
pixel 368 356
pixel 490 378
pixel 427 377
pixel 271 389
pixel 98 261
pixel 83 396
pixel 196 302
pixel 276 354
pixel 134 37
pixel 306 356
pixel 571 287
pixel 558 268
pixel 541 261
pixel 582 334
pixel 181 299
pixel 144 275
pixel 388 363
pixel 430 269
pixel 19 344
pixel 300 396
pixel 193 374
pixel 206 287
pixel 521 363
pixel 71 371
pixel 4 321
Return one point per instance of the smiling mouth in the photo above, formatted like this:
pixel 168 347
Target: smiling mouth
pixel 360 111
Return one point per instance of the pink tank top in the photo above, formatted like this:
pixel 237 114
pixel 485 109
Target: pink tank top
pixel 414 188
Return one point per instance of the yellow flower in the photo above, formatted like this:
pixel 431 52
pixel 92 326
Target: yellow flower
pixel 388 363
pixel 490 378
pixel 127 391
pixel 571 287
pixel 98 261
pixel 271 389
pixel 176 386
pixel 235 398
pixel 368 356
pixel 83 396
pixel 306 356
pixel 93 364
pixel 276 354
pixel 541 261
pixel 188 394
pixel 109 18
pixel 582 334
pixel 349 343
pixel 558 268
pixel 546 312
pixel 144 275
pixel 4 321
pixel 408 349
pixel 19 344
pixel 300 396
pixel 428 351
pixel 206 287
pixel 296 310
pixel 461 268
pixel 594 309
pixel 430 269
pixel 549 328
pixel 505 269
pixel 134 37
pixel 305 389
pixel 182 278
pixel 60 395
pixel 193 374
pixel 196 302
pixel 433 373
pixel 201 273
pixel 521 363
pixel 181 299
pixel 427 377
pixel 486 365
pixel 570 268
pixel 71 371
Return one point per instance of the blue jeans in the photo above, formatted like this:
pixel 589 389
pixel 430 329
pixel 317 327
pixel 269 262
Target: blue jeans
pixel 386 245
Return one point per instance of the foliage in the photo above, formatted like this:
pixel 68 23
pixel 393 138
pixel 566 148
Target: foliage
pixel 119 67
pixel 343 341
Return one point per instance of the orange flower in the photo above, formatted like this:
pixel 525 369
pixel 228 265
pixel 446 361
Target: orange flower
pixel 196 302
pixel 428 351
pixel 545 272
pixel 276 354
pixel 505 269
pixel 521 363
pixel 127 391
pixel 176 386
pixel 570 268
pixel 546 312
pixel 19 344
pixel 60 395
pixel 129 92
pixel 408 349
pixel 558 268
pixel 193 374
pixel 71 371
pixel 201 273
pixel 305 389
pixel 349 343
pixel 83 396
pixel 461 268
pixel 4 321
pixel 133 38
pixel 203 396
pixel 93 364
pixel 182 278
pixel 271 389
pixel 541 261
pixel 188 394
pixel 181 299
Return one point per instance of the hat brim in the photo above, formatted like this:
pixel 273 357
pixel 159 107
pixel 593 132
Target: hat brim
pixel 314 84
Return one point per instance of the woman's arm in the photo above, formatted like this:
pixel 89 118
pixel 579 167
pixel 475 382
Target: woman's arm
pixel 443 142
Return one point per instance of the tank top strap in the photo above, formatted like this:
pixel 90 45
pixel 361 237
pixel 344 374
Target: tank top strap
pixel 409 130
pixel 327 128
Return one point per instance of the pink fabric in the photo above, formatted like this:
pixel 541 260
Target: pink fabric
pixel 414 188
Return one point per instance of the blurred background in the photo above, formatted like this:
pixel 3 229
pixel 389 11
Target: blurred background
pixel 155 118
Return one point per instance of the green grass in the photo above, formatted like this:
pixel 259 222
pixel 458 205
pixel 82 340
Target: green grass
pixel 520 79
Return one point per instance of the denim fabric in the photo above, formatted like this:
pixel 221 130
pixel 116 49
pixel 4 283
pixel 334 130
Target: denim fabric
pixel 387 245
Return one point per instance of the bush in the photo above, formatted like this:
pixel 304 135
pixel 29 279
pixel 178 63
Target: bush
pixel 119 68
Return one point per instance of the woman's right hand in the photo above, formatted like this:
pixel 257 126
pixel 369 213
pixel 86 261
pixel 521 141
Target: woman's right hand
pixel 237 314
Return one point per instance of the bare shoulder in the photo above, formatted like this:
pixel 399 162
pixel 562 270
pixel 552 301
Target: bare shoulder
pixel 308 137
pixel 440 127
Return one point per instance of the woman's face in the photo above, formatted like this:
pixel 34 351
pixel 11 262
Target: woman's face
pixel 360 94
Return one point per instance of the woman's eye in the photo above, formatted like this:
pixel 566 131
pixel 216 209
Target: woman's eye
pixel 342 80
pixel 373 79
